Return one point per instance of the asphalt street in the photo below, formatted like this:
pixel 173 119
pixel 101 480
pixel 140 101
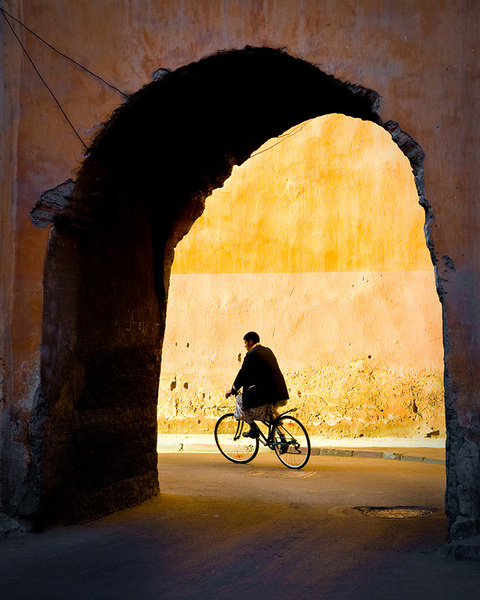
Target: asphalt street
pixel 226 531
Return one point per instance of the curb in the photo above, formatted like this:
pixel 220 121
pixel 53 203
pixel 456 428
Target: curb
pixel 192 447
pixel 376 454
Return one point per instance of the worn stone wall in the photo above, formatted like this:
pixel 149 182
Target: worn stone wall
pixel 420 57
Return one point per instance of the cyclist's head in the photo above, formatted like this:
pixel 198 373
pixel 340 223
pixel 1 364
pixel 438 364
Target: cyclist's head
pixel 251 338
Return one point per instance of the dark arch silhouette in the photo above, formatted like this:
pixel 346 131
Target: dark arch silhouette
pixel 139 190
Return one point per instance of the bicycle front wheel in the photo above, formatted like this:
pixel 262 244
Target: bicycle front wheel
pixel 292 444
pixel 231 443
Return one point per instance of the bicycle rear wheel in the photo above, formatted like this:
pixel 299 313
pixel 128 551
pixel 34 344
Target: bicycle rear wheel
pixel 231 443
pixel 292 444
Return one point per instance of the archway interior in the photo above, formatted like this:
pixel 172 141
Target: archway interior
pixel 138 192
pixel 317 242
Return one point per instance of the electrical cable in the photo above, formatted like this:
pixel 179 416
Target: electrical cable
pixel 5 14
pixel 281 138
pixel 125 95
pixel 43 80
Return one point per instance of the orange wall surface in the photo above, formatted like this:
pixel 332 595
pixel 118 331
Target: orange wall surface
pixel 332 194
pixel 317 243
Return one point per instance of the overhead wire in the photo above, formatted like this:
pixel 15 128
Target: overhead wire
pixel 6 16
pixel 124 94
pixel 279 139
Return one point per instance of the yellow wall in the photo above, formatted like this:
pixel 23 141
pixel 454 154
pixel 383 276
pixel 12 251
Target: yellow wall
pixel 332 194
pixel 317 243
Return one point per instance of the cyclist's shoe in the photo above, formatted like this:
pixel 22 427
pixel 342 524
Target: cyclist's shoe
pixel 284 447
pixel 252 432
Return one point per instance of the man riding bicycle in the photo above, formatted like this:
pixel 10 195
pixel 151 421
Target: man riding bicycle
pixel 261 382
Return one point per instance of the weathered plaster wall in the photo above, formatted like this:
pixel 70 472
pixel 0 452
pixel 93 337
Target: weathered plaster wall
pixel 316 242
pixel 422 59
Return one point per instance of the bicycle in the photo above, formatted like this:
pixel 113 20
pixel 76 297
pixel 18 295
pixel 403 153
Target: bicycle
pixel 286 436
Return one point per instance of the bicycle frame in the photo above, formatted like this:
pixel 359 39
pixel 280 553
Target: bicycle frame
pixel 269 441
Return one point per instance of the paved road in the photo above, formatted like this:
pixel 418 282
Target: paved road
pixel 226 531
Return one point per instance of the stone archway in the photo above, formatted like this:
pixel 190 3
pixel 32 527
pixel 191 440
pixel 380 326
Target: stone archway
pixel 141 187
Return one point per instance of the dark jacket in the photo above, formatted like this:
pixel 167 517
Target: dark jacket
pixel 260 369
